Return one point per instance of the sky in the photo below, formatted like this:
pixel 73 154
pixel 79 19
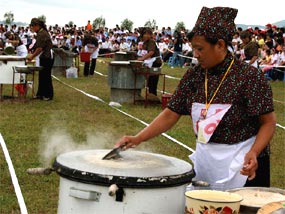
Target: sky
pixel 164 12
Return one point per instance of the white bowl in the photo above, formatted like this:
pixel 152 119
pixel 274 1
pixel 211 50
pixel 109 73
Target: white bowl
pixel 212 202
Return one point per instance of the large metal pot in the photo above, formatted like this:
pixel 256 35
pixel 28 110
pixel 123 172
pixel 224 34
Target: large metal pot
pixel 139 182
pixel 248 205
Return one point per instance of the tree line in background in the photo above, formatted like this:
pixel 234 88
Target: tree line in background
pixel 99 22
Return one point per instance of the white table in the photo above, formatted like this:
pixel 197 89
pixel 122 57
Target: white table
pixel 6 70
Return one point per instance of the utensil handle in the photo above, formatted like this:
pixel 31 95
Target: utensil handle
pixel 84 194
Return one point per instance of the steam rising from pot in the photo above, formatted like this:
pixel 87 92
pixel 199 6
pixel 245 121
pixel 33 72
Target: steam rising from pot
pixel 53 143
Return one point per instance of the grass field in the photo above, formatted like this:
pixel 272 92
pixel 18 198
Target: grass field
pixel 36 131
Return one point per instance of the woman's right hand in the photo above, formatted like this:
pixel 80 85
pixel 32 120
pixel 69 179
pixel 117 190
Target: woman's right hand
pixel 29 57
pixel 128 142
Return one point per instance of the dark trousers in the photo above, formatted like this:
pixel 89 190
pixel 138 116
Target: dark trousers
pixel 45 88
pixel 153 80
pixel 89 70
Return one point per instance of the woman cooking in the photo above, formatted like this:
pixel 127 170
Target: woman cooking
pixel 229 101
pixel 43 50
pixel 150 56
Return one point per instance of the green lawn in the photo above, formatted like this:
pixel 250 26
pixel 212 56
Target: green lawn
pixel 36 131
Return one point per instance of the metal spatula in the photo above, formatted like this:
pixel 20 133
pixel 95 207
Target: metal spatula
pixel 114 153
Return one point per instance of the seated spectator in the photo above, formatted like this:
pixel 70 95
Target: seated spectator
pixel 267 59
pixel 21 49
pixel 78 45
pixel 129 45
pixel 123 45
pixel 115 46
pixel 107 44
pixel 187 53
pixel 236 41
pixel 167 53
pixel 134 46
pixel 140 51
pixel 249 51
pixel 168 31
pixel 261 41
pixel 162 45
pixel 105 47
pixel 281 69
pixel 279 42
pixel 11 39
pixel 272 73
pixel 270 41
pixel 282 56
pixel 54 41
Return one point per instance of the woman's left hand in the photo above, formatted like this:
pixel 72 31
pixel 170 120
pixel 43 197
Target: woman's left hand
pixel 250 165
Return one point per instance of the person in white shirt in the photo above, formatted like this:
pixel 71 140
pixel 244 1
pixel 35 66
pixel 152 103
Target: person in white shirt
pixel 21 50
pixel 162 46
pixel 236 41
pixel 107 44
pixel 275 57
pixel 272 72
pixel 187 53
pixel 281 64
pixel 123 45
pixel 91 45
pixel 282 56
pixel 129 45
pixel 54 41
pixel 115 46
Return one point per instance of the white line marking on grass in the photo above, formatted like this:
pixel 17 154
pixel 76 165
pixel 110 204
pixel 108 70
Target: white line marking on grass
pixel 171 77
pixel 15 182
pixel 167 76
pixel 277 101
pixel 282 127
pixel 100 74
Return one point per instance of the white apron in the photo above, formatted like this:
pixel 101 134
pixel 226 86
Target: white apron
pixel 217 164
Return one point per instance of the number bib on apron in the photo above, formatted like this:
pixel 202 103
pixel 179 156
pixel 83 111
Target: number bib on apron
pixel 217 164
pixel 205 127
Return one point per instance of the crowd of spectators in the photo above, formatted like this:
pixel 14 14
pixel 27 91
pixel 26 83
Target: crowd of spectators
pixel 270 44
pixel 270 41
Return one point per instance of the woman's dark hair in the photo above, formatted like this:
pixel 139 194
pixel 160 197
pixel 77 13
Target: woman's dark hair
pixel 17 37
pixel 88 39
pixel 41 23
pixel 94 41
pixel 280 41
pixel 144 30
pixel 245 34
pixel 269 44
pixel 213 41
